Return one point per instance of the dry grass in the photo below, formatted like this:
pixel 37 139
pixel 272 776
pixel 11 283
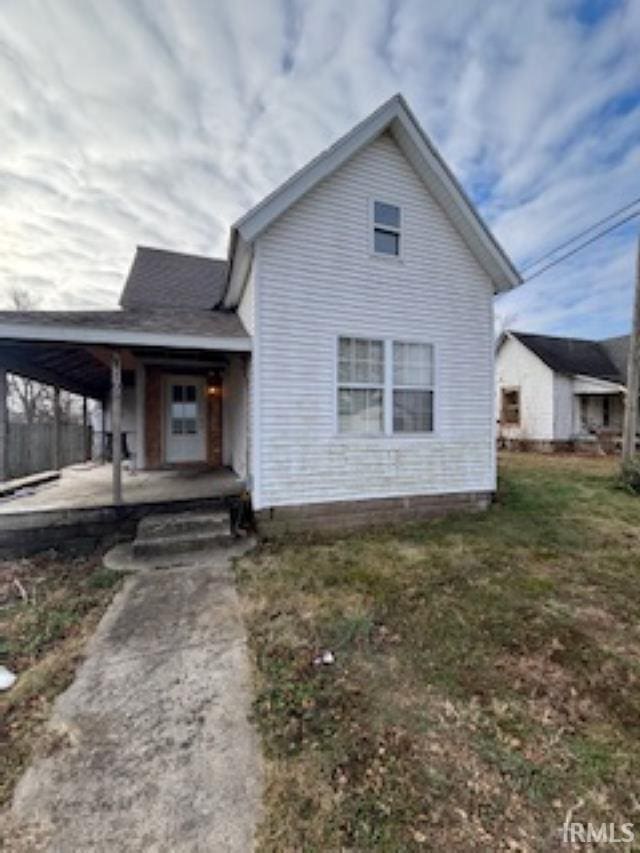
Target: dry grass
pixel 486 677
pixel 42 638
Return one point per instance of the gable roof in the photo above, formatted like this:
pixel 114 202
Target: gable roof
pixel 396 117
pixel 158 276
pixel 574 356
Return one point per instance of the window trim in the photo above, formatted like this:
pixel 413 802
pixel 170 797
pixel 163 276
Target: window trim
pixel 390 228
pixel 387 432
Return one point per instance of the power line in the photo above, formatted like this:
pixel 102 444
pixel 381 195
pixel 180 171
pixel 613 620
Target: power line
pixel 581 246
pixel 580 234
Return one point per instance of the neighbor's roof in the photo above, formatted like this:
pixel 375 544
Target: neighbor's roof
pixel 128 327
pixel 160 278
pixel 396 117
pixel 618 351
pixel 573 355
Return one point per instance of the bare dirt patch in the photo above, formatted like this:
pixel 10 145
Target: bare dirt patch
pixel 49 606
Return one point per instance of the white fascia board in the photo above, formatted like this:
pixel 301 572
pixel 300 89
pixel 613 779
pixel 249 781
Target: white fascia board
pixel 119 337
pixel 395 116
pixel 241 259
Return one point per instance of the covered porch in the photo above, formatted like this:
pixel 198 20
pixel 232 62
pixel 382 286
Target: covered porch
pixel 90 485
pixel 173 393
pixel 598 408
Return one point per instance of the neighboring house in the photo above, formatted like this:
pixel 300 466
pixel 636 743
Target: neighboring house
pixel 340 359
pixel 553 390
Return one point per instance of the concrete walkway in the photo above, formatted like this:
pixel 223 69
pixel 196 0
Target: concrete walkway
pixel 159 753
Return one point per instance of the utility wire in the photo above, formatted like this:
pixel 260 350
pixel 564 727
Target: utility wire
pixel 579 235
pixel 577 249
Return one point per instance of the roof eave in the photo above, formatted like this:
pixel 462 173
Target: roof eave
pixel 121 337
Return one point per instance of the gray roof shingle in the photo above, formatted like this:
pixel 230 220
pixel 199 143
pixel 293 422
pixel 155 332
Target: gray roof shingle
pixel 149 320
pixel 573 356
pixel 162 279
pixel 618 351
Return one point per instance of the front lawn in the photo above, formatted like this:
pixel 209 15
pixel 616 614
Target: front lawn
pixel 49 606
pixel 486 674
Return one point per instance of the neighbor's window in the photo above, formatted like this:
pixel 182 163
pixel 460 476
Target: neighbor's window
pixel 412 387
pixel 360 385
pixel 511 406
pixel 386 229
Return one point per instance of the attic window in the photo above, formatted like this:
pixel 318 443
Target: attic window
pixel 386 229
pixel 511 406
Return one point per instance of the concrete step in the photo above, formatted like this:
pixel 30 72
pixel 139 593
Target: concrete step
pixel 183 522
pixel 177 544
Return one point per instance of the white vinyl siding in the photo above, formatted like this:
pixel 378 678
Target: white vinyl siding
pixel 317 280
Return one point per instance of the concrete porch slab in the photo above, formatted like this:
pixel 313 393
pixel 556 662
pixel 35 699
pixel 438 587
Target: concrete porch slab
pixel 89 485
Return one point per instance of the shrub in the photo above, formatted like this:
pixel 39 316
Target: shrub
pixel 630 475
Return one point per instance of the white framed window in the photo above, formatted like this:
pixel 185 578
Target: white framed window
pixel 385 387
pixel 386 228
pixel 413 387
pixel 360 385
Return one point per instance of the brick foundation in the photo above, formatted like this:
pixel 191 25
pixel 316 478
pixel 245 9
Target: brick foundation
pixel 354 515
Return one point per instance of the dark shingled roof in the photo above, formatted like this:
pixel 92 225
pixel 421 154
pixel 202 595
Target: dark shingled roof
pixel 162 279
pixel 618 351
pixel 222 324
pixel 573 356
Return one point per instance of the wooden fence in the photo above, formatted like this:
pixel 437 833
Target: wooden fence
pixel 31 447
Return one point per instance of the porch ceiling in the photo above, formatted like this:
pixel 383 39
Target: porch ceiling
pixel 75 368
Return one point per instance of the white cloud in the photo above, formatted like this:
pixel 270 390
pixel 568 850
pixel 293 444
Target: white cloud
pixel 150 121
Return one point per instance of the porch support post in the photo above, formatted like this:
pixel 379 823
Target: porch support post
pixel 85 431
pixel 4 431
pixel 116 425
pixel 103 430
pixel 57 460
pixel 140 417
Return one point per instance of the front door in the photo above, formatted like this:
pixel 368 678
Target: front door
pixel 186 419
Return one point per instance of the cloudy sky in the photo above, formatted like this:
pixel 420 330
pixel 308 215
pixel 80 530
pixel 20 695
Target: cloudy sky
pixel 160 122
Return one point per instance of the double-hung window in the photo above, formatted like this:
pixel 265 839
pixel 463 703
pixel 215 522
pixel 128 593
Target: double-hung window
pixel 412 387
pixel 385 387
pixel 386 229
pixel 360 385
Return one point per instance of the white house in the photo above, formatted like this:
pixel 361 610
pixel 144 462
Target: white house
pixel 340 359
pixel 552 390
